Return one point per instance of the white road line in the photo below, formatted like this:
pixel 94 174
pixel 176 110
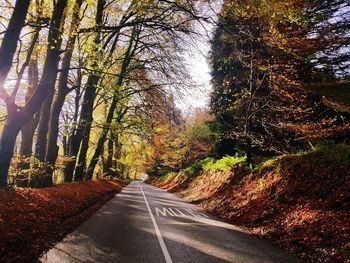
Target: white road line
pixel 190 211
pixel 156 228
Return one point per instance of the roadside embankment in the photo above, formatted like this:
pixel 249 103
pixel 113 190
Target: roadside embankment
pixel 301 202
pixel 32 220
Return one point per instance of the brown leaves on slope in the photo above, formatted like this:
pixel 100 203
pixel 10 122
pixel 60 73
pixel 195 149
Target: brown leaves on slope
pixel 304 208
pixel 301 205
pixel 32 220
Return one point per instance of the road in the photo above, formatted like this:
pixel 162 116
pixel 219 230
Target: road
pixel 146 224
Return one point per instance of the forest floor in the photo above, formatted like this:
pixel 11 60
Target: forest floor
pixel 33 220
pixel 299 202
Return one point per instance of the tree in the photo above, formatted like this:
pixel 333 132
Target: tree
pixel 27 132
pixel 93 57
pixel 177 145
pixel 153 54
pixel 7 52
pixel 80 138
pixel 192 141
pixel 129 53
pixel 62 89
pixel 18 117
pixel 264 62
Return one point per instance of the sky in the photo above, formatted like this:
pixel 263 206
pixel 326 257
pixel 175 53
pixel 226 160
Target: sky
pixel 198 64
pixel 200 72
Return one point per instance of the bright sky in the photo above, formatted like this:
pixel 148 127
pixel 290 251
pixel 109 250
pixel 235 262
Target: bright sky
pixel 198 65
pixel 200 72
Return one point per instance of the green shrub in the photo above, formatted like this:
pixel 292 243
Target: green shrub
pixel 224 164
pixel 326 151
pixel 198 166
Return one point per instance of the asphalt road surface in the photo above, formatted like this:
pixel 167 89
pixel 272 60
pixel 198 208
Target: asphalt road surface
pixel 146 224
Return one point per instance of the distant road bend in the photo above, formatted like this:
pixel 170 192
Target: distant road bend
pixel 147 224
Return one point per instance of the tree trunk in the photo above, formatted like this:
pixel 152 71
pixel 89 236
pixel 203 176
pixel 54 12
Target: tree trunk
pixel 48 78
pixel 116 154
pixel 80 141
pixel 107 166
pixel 69 171
pixel 50 69
pixel 27 132
pixel 249 150
pixel 52 147
pixel 81 163
pixel 43 127
pixel 82 135
pixel 7 144
pixel 70 163
pixel 103 136
pixel 98 151
pixel 99 148
pixel 64 145
pixel 9 41
pixel 7 52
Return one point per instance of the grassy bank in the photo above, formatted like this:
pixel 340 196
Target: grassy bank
pixel 299 201
pixel 32 220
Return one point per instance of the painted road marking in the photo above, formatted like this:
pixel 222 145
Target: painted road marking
pixel 176 212
pixel 189 211
pixel 156 228
pixel 163 212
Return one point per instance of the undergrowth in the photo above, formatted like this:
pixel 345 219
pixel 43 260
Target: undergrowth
pixel 338 154
pixel 226 163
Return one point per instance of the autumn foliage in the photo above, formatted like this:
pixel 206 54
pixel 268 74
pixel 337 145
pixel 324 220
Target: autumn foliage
pixel 276 66
pixel 177 145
